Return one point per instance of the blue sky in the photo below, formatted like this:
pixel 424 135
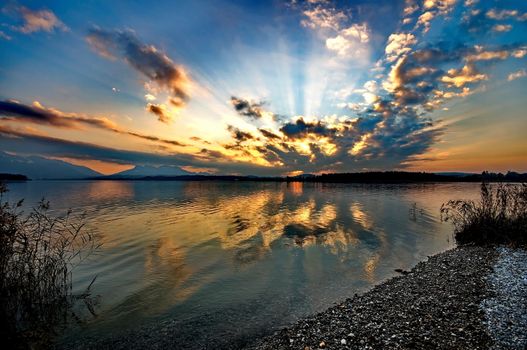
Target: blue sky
pixel 270 87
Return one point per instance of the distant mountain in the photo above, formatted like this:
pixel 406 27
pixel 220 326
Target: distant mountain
pixel 42 168
pixel 143 171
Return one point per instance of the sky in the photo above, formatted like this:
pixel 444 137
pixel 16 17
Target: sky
pixel 266 87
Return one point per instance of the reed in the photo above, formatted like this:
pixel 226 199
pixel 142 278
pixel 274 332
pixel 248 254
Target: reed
pixel 38 252
pixel 499 217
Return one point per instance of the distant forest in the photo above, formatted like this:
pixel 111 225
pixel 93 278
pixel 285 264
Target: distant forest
pixel 363 177
pixel 12 177
pixel 401 177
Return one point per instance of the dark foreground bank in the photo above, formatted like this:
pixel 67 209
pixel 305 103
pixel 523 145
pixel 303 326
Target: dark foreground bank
pixel 451 301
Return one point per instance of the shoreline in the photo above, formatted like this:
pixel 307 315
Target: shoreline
pixel 436 305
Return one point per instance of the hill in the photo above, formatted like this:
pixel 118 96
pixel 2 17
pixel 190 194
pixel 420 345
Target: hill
pixel 152 171
pixel 35 167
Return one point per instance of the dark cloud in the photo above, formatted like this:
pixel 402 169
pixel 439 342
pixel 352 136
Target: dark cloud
pixel 384 136
pixel 269 134
pixel 160 111
pixel 238 135
pixel 199 139
pixel 146 59
pixel 38 114
pixel 29 113
pixel 300 129
pixel 247 108
pixel 156 139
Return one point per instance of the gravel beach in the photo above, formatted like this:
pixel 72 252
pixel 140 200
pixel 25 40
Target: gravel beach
pixel 454 300
pixel 506 310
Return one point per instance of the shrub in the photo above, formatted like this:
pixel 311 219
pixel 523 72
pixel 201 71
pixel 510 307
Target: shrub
pixel 37 255
pixel 500 216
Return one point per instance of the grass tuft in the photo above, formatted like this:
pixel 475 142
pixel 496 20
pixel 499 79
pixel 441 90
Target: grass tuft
pixel 499 217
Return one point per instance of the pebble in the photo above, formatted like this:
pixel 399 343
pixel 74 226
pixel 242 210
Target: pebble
pixel 506 310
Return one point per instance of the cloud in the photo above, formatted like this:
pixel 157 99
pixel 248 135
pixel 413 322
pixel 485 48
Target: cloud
pixel 502 14
pixel 522 73
pixel 323 17
pixel 372 140
pixel 153 138
pixel 347 40
pixel 425 19
pixel 421 77
pixel 520 53
pixel 247 108
pixel 481 55
pixel 147 60
pixel 461 77
pixel 199 139
pixel 23 142
pixel 501 28
pixel 4 36
pixel 269 135
pixel 350 42
pixel 38 114
pixel 431 9
pixel 301 128
pixel 444 6
pixel 160 110
pixel 38 20
pixel 479 20
pixel 238 135
pixel 399 44
pixel 410 7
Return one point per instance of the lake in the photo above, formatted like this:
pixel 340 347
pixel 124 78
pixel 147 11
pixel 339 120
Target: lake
pixel 201 263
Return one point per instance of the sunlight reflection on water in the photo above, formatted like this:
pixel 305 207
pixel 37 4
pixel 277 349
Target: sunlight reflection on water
pixel 186 250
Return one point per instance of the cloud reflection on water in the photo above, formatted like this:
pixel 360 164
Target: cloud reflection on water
pixel 182 250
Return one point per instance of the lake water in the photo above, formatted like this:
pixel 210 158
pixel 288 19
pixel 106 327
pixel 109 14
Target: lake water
pixel 224 262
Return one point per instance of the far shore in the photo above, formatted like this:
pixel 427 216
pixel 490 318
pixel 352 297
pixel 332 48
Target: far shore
pixel 370 177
